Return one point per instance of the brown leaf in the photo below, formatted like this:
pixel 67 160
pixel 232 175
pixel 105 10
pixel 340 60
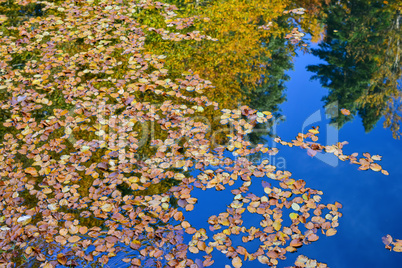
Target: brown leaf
pixel 107 207
pixel 312 237
pixel 61 239
pixel 296 243
pixel 74 239
pixel 375 167
pixel 193 249
pixel 83 229
pixel 62 259
pixel 185 224
pixel 345 111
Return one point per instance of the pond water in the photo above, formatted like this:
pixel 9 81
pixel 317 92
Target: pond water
pixel 116 154
pixel 370 200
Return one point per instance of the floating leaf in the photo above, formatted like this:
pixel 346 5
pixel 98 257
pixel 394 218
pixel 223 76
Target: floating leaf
pixel 107 207
pixel 314 130
pixel 62 259
pixel 237 262
pixel 48 265
pixel 24 219
pixel 74 239
pixel 345 111
pixel 330 232
pixel 387 240
pixel 32 171
pixel 295 206
pixel 277 225
pixel 293 216
pixel 312 237
pixel 375 167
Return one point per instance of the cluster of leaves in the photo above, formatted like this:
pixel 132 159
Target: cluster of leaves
pixel 303 261
pixel 79 171
pixel 366 162
pixel 391 244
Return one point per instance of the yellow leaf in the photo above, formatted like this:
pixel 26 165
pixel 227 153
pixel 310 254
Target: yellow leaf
pixel 47 170
pixel 68 130
pixel 293 216
pixel 107 207
pixel 179 164
pixel 277 225
pixel 376 157
pixel 47 190
pixel 32 171
pixel 397 249
pixel 345 111
pixel 48 265
pixel 28 250
pixel 238 144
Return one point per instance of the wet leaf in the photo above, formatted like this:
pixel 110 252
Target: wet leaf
pixel 62 259
pixel 295 206
pixel 293 216
pixel 330 232
pixel 237 262
pixel 107 207
pixel 74 239
pixel 32 171
pixel 277 225
pixel 345 111
pixel 48 265
pixel 312 237
pixel 375 167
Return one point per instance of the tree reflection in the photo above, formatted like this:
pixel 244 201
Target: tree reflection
pixel 106 137
pixel 362 48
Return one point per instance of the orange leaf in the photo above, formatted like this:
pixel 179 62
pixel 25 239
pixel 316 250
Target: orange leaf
pixel 345 111
pixel 32 171
pixel 331 232
pixel 74 239
pixel 312 237
pixel 237 263
pixel 375 167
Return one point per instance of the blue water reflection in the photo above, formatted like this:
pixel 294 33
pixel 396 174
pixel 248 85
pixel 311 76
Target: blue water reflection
pixel 371 201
